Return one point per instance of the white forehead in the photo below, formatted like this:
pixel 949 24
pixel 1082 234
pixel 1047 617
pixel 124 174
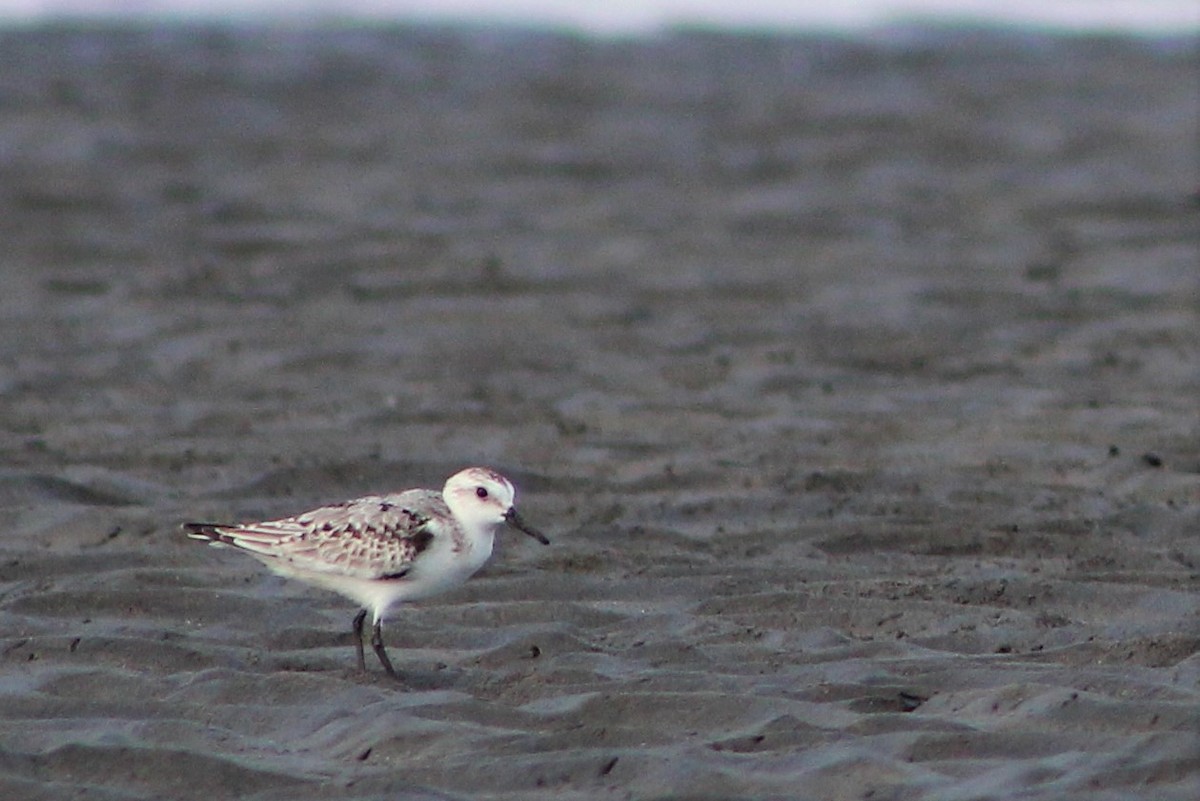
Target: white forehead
pixel 474 477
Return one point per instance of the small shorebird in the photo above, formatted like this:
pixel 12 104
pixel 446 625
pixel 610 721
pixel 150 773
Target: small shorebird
pixel 381 550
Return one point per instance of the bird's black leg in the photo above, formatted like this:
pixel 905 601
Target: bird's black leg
pixel 358 639
pixel 377 644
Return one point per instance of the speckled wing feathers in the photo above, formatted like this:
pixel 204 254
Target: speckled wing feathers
pixel 375 537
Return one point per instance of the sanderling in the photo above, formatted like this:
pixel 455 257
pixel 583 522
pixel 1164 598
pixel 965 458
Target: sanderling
pixel 384 549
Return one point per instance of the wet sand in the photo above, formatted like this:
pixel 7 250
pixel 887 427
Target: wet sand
pixel 855 382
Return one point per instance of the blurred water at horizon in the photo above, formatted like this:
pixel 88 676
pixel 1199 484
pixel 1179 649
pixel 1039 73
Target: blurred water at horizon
pixel 1147 17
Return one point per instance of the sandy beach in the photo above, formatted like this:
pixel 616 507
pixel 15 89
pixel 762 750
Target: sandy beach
pixel 855 382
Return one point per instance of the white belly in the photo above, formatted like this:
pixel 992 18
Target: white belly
pixel 437 570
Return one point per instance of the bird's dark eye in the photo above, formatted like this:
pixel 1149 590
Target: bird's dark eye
pixel 481 492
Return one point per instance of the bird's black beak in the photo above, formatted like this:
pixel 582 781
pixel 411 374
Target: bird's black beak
pixel 513 519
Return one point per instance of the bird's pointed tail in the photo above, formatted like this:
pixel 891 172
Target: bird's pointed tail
pixel 207 532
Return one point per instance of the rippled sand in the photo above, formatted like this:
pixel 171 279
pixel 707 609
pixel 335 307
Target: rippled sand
pixel 856 384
